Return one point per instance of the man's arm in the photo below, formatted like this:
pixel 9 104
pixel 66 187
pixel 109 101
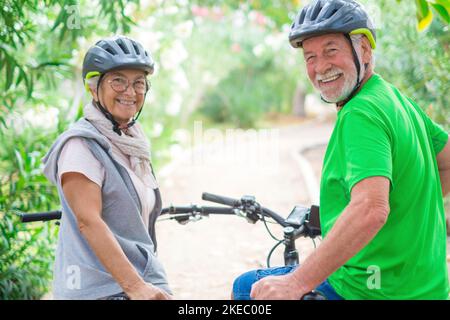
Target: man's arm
pixel 85 199
pixel 361 220
pixel 443 160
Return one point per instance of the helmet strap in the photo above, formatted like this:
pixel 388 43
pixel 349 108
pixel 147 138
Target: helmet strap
pixel 133 121
pixel 358 74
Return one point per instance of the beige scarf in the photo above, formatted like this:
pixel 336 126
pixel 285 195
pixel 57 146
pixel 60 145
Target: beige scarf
pixel 136 146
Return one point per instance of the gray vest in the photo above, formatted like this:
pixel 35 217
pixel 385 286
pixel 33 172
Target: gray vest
pixel 78 274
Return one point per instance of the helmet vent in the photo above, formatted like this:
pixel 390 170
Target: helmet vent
pixel 316 10
pixel 348 19
pixel 106 46
pixel 136 48
pixel 333 12
pixel 302 18
pixel 122 46
pixel 110 50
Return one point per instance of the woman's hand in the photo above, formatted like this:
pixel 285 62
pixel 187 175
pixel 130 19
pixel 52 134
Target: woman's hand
pixel 146 291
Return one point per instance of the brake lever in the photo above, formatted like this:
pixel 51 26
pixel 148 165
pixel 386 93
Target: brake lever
pixel 251 208
pixel 252 216
pixel 182 219
pixel 196 217
pixel 188 217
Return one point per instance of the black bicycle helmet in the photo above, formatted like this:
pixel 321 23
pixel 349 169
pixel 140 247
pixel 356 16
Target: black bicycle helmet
pixel 114 53
pixel 331 16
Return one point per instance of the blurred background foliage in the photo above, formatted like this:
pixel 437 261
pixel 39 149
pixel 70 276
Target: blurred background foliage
pixel 225 62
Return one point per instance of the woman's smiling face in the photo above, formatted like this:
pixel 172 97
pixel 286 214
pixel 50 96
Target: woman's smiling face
pixel 126 104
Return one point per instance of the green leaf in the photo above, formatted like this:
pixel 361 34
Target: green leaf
pixel 442 11
pixel 19 161
pixel 19 78
pixel 424 15
pixel 60 18
pixel 444 3
pixel 3 122
pixel 422 9
pixel 10 65
pixel 29 85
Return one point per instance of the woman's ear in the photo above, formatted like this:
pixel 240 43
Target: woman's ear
pixel 93 92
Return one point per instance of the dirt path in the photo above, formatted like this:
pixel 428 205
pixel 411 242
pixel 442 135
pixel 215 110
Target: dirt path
pixel 203 258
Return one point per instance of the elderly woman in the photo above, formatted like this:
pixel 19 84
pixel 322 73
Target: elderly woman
pixel 109 195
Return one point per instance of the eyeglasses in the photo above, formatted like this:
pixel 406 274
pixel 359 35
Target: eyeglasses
pixel 121 84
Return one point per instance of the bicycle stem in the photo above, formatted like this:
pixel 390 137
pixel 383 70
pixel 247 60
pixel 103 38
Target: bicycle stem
pixel 290 251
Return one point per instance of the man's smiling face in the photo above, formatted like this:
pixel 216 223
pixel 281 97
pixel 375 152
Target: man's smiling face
pixel 330 65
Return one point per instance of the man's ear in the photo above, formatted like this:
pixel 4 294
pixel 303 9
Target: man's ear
pixel 366 50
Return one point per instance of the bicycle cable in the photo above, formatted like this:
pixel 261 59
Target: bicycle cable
pixel 271 251
pixel 267 228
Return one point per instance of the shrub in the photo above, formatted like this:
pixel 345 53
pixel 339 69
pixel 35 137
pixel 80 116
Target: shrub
pixel 26 251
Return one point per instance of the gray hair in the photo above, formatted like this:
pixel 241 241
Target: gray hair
pixel 356 40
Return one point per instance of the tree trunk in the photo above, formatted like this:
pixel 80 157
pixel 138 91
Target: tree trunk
pixel 298 101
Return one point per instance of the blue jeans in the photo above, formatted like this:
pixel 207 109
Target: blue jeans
pixel 243 284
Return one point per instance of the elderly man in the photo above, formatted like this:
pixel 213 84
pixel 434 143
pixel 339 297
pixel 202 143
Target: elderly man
pixel 385 172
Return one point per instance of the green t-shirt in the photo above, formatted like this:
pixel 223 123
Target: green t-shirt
pixel 380 132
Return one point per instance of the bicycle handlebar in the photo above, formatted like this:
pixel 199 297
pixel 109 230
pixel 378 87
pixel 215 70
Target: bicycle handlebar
pixel 172 210
pixel 40 216
pixel 295 226
pixel 236 203
pixel 247 204
pixel 221 199
pixel 197 209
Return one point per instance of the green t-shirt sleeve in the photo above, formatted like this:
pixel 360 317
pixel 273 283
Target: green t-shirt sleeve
pixel 367 148
pixel 439 136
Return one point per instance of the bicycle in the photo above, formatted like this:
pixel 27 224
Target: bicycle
pixel 301 222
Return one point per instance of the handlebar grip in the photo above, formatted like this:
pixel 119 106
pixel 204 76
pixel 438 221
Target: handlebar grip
pixel 217 210
pixel 40 216
pixel 313 295
pixel 172 210
pixel 177 210
pixel 220 199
